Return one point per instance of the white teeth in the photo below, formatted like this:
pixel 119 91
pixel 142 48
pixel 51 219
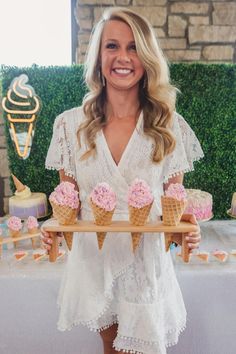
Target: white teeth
pixel 122 71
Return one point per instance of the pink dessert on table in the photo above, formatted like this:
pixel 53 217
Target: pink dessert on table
pixel 103 196
pixel 176 191
pixel 32 223
pixel 220 255
pixel 65 195
pixel 139 194
pixel 14 223
pixel 199 203
pixel 20 255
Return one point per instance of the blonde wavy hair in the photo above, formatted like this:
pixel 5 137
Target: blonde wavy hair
pixel 157 96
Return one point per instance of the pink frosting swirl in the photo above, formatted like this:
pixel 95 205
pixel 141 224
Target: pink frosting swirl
pixel 176 191
pixel 139 194
pixel 14 223
pixel 32 222
pixel 103 196
pixel 66 195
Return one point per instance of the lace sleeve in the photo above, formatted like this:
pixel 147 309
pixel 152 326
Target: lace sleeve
pixel 187 150
pixel 60 153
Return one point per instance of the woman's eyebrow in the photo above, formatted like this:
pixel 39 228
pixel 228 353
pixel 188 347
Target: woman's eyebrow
pixel 115 40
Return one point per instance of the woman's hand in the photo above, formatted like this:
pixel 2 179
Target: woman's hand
pixel 47 241
pixel 193 238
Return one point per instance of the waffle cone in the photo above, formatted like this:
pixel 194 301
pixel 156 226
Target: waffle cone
pixel 33 230
pixel 65 216
pixel 172 210
pixel 135 239
pixel 68 236
pixel 14 234
pixel 138 217
pixel 102 217
pixel 19 186
pixel 101 237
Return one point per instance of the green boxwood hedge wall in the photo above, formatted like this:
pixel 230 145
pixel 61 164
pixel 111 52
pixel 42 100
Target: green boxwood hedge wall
pixel 207 101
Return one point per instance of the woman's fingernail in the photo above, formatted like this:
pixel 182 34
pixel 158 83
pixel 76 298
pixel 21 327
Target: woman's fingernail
pixel 187 238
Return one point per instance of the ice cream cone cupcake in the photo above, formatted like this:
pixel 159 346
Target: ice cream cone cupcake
pixel 32 226
pixel 65 202
pixel 173 204
pixel 14 225
pixel 103 203
pixel 140 201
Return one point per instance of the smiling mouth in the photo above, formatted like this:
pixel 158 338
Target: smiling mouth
pixel 122 71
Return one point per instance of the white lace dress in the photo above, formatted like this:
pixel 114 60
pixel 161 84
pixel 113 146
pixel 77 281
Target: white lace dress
pixel 138 291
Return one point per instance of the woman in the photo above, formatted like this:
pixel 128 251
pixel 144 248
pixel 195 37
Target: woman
pixel 126 128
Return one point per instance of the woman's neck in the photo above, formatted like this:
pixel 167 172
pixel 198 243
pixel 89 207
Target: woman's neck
pixel 122 105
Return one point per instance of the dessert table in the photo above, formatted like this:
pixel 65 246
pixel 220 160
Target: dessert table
pixel 29 313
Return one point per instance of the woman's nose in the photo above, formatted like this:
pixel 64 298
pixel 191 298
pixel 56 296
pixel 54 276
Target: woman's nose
pixel 123 57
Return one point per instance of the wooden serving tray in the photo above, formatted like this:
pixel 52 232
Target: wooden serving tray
pixel 52 227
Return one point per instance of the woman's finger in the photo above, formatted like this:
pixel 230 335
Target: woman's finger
pixel 196 239
pixel 193 246
pixel 190 218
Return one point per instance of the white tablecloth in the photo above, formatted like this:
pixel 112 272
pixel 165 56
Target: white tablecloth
pixel 28 312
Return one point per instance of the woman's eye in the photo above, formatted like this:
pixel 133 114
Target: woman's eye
pixel 111 46
pixel 133 47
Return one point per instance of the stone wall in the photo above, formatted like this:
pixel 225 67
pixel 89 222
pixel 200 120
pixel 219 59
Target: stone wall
pixel 187 30
pixel 5 191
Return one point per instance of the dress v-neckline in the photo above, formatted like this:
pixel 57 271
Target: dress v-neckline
pixel 127 147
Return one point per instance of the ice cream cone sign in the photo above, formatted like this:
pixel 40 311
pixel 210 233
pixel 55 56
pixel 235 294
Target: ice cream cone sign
pixel 21 106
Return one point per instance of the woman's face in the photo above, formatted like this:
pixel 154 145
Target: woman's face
pixel 120 63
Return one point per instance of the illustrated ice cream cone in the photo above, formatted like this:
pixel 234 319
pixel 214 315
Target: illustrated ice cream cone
pixel 21 105
pixel 103 203
pixel 14 225
pixel 65 202
pixel 140 201
pixel 32 226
